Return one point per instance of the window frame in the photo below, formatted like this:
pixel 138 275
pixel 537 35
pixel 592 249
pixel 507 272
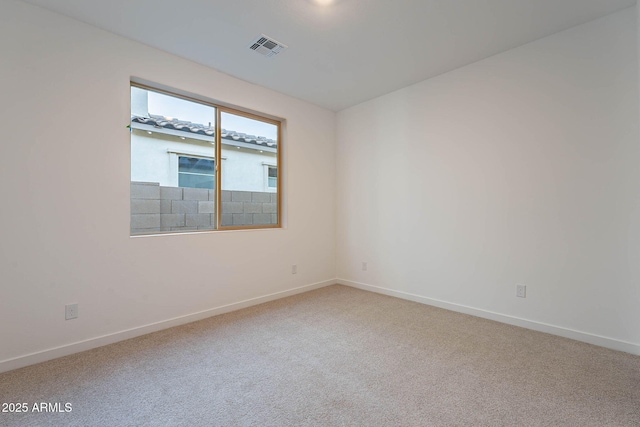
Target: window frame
pixel 219 165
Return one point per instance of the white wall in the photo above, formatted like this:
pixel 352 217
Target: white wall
pixel 522 168
pixel 155 159
pixel 57 172
pixel 243 169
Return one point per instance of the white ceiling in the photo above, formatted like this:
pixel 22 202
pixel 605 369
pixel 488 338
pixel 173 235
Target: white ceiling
pixel 338 55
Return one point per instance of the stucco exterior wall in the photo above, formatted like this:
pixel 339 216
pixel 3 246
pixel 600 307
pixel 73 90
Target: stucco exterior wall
pixel 154 158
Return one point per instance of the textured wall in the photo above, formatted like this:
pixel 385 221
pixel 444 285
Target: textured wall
pixel 155 208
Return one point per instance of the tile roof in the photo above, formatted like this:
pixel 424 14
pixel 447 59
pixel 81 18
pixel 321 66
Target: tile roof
pixel 208 130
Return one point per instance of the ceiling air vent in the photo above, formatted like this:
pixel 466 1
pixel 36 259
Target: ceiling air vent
pixel 266 46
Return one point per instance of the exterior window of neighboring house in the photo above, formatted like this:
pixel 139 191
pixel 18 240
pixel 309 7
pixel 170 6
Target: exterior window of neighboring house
pixel 196 172
pixel 273 177
pixel 270 174
pixel 198 166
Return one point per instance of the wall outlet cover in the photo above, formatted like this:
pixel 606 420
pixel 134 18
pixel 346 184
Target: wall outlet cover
pixel 70 311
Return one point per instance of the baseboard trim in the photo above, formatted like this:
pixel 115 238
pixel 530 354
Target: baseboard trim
pixel 88 344
pixel 598 340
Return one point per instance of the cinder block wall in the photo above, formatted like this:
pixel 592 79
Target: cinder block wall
pixel 155 208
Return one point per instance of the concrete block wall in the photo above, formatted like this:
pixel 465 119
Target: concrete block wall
pixel 156 209
pixel 249 208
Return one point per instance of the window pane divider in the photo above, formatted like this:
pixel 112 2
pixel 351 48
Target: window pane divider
pixel 219 167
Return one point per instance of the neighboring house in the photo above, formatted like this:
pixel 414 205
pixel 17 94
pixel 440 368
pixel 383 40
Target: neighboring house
pixel 179 153
pixel 176 153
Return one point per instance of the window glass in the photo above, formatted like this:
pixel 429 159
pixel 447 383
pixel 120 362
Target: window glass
pixel 273 177
pixel 248 143
pixel 196 173
pixel 170 191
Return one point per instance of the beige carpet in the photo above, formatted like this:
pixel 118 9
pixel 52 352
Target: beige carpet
pixel 336 356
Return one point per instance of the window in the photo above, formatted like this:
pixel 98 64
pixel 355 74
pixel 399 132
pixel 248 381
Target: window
pixel 199 166
pixel 270 177
pixel 273 178
pixel 194 172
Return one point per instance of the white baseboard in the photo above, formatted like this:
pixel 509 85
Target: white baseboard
pixel 511 320
pixel 65 350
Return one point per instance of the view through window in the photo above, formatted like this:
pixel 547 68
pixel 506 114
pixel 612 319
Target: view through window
pixel 255 143
pixel 196 166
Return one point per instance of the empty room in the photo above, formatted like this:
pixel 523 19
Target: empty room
pixel 320 213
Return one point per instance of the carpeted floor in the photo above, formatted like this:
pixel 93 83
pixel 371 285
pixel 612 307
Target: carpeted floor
pixel 336 356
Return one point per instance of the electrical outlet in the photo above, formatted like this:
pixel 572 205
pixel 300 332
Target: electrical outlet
pixel 70 311
pixel 364 266
pixel 521 290
pixel 294 269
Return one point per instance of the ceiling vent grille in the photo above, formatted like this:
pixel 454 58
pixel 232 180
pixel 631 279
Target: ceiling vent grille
pixel 266 46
